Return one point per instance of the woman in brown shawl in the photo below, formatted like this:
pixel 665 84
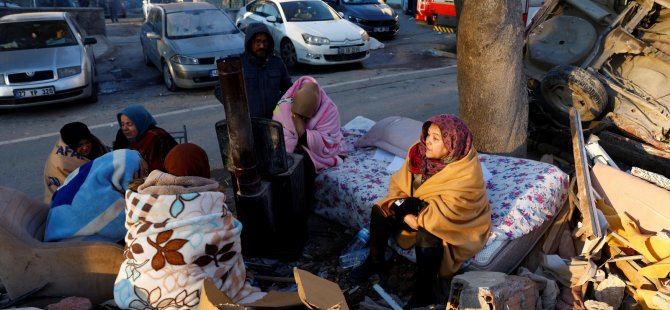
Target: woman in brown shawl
pixel 437 202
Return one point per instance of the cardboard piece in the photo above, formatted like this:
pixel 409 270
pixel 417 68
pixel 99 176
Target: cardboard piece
pixel 313 293
pixel 646 203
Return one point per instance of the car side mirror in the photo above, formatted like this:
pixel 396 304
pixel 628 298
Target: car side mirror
pixel 341 14
pixel 271 19
pixel 90 40
pixel 152 35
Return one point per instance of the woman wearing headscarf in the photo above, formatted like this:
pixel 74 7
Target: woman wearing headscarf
pixel 311 124
pixel 75 147
pixel 90 204
pixel 180 232
pixel 139 132
pixel 437 203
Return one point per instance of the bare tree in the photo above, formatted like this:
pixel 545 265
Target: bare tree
pixel 491 83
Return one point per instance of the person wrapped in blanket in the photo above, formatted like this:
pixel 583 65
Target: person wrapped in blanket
pixel 75 147
pixel 90 204
pixel 437 202
pixel 180 232
pixel 311 125
pixel 139 132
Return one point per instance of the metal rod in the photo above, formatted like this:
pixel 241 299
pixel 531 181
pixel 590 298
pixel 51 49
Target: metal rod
pixel 241 137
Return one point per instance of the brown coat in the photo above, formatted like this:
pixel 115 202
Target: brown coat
pixel 458 209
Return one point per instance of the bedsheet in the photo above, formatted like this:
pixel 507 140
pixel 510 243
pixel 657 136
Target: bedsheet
pixel 523 193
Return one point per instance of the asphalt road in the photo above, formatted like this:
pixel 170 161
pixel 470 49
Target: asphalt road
pixel 410 76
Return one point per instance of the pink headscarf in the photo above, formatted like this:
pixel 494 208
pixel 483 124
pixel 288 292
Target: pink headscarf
pixel 457 138
pixel 324 136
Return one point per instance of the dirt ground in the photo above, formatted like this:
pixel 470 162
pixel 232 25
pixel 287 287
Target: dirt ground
pixel 326 239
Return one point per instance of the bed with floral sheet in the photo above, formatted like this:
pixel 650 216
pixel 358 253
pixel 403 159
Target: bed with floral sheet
pixel 525 195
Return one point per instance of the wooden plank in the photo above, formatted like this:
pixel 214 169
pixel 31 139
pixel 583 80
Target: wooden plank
pixel 586 202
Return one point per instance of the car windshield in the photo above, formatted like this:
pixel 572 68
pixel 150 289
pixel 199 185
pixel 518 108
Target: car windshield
pixel 308 11
pixel 35 34
pixel 188 24
pixel 363 1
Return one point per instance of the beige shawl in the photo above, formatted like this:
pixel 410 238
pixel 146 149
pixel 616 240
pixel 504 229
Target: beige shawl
pixel 458 209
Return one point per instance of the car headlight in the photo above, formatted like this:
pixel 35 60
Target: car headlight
pixel 365 36
pixel 314 40
pixel 396 17
pixel 184 60
pixel 2 79
pixel 68 71
pixel 354 19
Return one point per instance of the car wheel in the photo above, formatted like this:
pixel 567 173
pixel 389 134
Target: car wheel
pixel 167 78
pixel 566 86
pixel 147 61
pixel 94 94
pixel 288 53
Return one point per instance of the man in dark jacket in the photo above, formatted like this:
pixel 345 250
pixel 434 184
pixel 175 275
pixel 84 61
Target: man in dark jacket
pixel 265 75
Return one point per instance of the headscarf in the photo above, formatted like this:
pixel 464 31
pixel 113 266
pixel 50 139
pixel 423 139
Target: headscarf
pixel 457 138
pixel 140 117
pixel 74 132
pixel 187 159
pixel 306 99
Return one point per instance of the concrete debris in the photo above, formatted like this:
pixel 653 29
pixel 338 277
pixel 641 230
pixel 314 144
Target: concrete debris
pixel 611 291
pixel 597 305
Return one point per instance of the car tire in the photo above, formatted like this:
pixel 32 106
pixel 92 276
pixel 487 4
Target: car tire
pixel 94 94
pixel 147 61
pixel 288 54
pixel 567 86
pixel 168 80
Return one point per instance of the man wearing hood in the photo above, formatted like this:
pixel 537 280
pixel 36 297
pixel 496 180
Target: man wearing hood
pixel 265 75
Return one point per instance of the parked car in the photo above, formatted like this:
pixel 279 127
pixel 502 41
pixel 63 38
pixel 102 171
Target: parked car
pixel 55 3
pixel 611 63
pixel 374 16
pixel 308 31
pixel 46 58
pixel 183 40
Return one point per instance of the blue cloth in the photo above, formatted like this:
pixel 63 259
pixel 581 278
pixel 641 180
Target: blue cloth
pixel 90 205
pixel 140 117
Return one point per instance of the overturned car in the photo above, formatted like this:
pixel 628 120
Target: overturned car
pixel 608 59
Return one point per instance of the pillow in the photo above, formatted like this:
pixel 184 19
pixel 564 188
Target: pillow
pixel 394 134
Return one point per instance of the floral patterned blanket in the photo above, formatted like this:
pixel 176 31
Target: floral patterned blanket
pixel 523 193
pixel 176 241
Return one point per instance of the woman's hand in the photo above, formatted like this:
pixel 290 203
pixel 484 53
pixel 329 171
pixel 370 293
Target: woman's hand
pixel 412 221
pixel 299 124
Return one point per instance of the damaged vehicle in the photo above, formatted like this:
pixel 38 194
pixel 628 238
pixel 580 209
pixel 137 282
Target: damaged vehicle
pixel 610 59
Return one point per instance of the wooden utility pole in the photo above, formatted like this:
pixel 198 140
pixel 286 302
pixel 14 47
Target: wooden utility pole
pixel 491 82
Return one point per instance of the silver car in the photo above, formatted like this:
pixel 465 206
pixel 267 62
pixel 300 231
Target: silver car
pixel 45 58
pixel 183 40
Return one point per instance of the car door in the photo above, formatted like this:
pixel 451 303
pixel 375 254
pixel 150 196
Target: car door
pixel 252 15
pixel 277 27
pixel 154 24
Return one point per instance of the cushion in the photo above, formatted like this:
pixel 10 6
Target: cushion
pixel 394 134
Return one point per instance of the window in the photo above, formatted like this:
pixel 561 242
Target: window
pixel 300 11
pixel 198 23
pixel 37 34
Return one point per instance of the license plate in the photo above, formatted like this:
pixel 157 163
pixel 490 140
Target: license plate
pixel 213 73
pixel 348 50
pixel 380 29
pixel 35 92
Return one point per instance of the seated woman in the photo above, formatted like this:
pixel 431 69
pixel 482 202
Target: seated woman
pixel 437 202
pixel 139 132
pixel 90 204
pixel 76 146
pixel 180 232
pixel 311 124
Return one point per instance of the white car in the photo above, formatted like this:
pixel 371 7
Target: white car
pixel 45 58
pixel 307 31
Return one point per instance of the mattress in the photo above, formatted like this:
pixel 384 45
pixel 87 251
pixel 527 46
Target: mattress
pixel 524 194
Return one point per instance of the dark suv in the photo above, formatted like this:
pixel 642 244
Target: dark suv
pixel 374 16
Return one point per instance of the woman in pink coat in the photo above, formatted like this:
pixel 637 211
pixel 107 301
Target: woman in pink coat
pixel 311 124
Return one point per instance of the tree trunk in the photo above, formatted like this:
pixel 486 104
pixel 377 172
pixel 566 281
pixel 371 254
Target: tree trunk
pixel 491 82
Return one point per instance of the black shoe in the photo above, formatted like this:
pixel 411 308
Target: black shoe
pixel 364 272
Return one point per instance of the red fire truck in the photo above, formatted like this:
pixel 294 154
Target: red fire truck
pixel 444 13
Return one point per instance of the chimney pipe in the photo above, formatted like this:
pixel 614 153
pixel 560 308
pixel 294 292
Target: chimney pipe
pixel 241 137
